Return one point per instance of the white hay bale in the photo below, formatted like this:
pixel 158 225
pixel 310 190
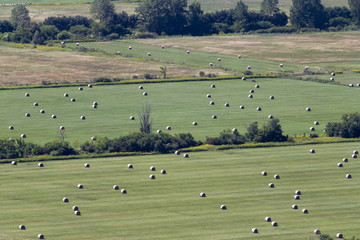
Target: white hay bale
pixel 95 103
pixel 53 116
pixel 332 74
pixel 130 47
pixel 94 106
pixel 77 213
pixel 281 65
pixel 152 168
pixel 168 128
pixel 213 86
pixel 298 192
pixel 116 187
pixel 270 117
pixel 23 136
pixel 162 47
pixel 351 85
pixel 152 176
pixel 248 67
pixel 317 232
pixel 251 91
pixel 242 107
pixel 130 166
pixel 158 131
pixel 254 230
pixel 186 155
pixel 239 56
pixel 274 224
pixel 177 152
pixel 188 52
pixel 267 219
pixel 87 165
pixel 145 93
pixel 296 197
pixel 312 129
pixel 226 105
pixel 354 156
pixel 243 78
pixel 257 86
pixel 82 118
pixel 271 185
pixel 306 67
pixel 219 59
pixel 41 236
pixel 149 54
pixel 195 123
pixel 27 94
pixel 22 227
pixel 272 97
pixel 75 208
pixel 312 151
pixel 305 211
pixel 355 152
pixel 294 206
pixel 339 235
pixel 141 87
pixel 316 123
pixel 11 127
pixel 62 43
pixel 234 130
pixel 223 207
pixel 93 138
pixel 332 79
pixel 163 171
pixel 308 109
pixel 65 199
pixel 348 176
pixel 214 117
pixel 345 160
pixel 42 111
pixel 264 173
pixel 132 118
pixel 340 165
pixel 77 44
pixel 89 86
pixel 250 96
pixel 211 65
pixel 123 191
pixel 14 163
pixel 202 194
pixel 80 186
pixel 73 100
pixel 62 128
pixel 208 96
pixel 27 114
pixel 80 88
pixel 258 109
pixel 212 103
pixel 358 85
pixel 36 104
pixel 276 176
pixel 66 95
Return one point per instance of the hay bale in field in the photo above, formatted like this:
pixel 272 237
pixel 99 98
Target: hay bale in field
pixel 281 65
pixel 294 206
pixel 213 86
pixel 226 105
pixel 62 128
pixel 11 127
pixel 80 88
pixel 93 138
pixel 188 52
pixel 316 123
pixel 195 123
pixel 211 65
pixel 116 187
pixel 130 47
pixel 257 86
pixel 340 165
pixel 274 224
pixel 332 74
pixel 27 94
pixel 152 168
pixel 95 103
pixel 308 109
pixel 223 207
pixel 75 208
pixel 145 93
pixel 239 56
pixel 40 165
pixel 264 173
pixel 345 160
pixel 77 213
pixel 306 67
pixel 23 136
pixel 248 67
pixel 149 54
pixel 214 117
pixel 94 106
pixel 162 47
pixel 73 100
pixel 89 86
pixel 298 192
pixel 66 95
pixel 41 236
pixel 358 85
pixel 186 155
pixel 243 78
pixel 212 103
pixel 53 116
pixel 242 107
pixel 163 171
pixel 152 176
pixel 202 194
pixel 36 104
pixel 355 152
pixel 27 114
pixel 130 166
pixel 354 156
pixel 348 176
pixel 132 118
pixel 251 91
pixel 177 152
pixel 158 131
pixel 339 235
pixel 267 219
pixel 312 129
pixel 87 165
pixel 250 96
pixel 296 197
pixel 332 79
pixel 272 97
pixel 208 96
pixel 141 87
pixel 276 176
pixel 77 44
pixel 14 163
pixel 22 227
pixel 123 191
pixel 258 109
pixel 254 230
pixel 305 211
pixel 234 130
pixel 42 111
pixel 168 128
pixel 65 199
pixel 312 151
pixel 82 118
pixel 80 186
pixel 351 85
pixel 270 117
pixel 317 232
pixel 271 185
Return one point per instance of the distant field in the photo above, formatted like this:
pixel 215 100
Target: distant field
pixel 169 207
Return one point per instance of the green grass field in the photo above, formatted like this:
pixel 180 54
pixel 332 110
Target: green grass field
pixel 173 104
pixel 169 207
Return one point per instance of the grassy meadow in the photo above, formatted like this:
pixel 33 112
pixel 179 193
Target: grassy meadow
pixel 169 207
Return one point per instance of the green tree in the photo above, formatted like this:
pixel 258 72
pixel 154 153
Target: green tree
pixel 241 12
pixel 163 70
pixel 49 32
pixel 20 17
pixel 349 127
pixel 37 38
pixel 355 10
pixel 308 14
pixel 269 7
pixel 195 23
pixel 144 118
pixel 104 10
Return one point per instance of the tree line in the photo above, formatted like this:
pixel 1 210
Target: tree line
pixel 175 17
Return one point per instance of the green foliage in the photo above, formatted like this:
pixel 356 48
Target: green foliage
pixel 21 35
pixel 144 118
pixel 80 30
pixel 38 39
pixel 269 7
pixel 349 127
pixel 355 10
pixel 270 132
pixel 63 35
pixel 226 137
pixel 104 10
pixel 20 17
pixel 308 14
pixel 49 32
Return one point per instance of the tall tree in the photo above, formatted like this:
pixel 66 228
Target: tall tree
pixel 104 10
pixel 269 7
pixel 144 118
pixel 355 10
pixel 241 12
pixel 196 25
pixel 308 13
pixel 20 17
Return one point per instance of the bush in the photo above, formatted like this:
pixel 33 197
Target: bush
pixel 63 35
pixel 349 127
pixel 100 79
pixel 58 148
pixel 226 137
pixel 49 32
pixel 201 74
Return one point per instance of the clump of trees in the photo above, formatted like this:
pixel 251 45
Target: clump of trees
pixel 349 127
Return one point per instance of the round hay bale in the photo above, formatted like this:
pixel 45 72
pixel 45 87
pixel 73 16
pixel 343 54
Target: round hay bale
pixel 270 117
pixel 94 106
pixel 339 235
pixel 358 85
pixel 93 138
pixel 22 227
pixel 163 171
pixel 312 151
pixel 208 96
pixel 130 47
pixel 276 176
pixel 248 67
pixel 294 206
pixel 95 103
pixel 62 128
pixel 149 54
pixel 271 185
pixel 242 107
pixel 141 87
pixel 41 236
pixel 186 155
pixel 87 165
pixel 152 176
pixel 212 103
pixel 202 194
pixel 348 176
pixel 351 85
pixel 239 56
pixel 316 123
pixel 211 65
pixel 219 59
pixel 77 44
pixel 66 95
pixel 195 123
pixel 281 65
pixel 254 230
pixel 306 67
pixel 82 118
pixel 272 97
pixel 11 127
pixel 123 191
pixel 214 117
pixel 168 128
pixel 14 163
pixel 243 78
pixel 257 86
pixel 332 79
pixel 188 52
pixel 77 213
pixel 36 104
pixel 132 118
pixel 80 88
pixel 89 86
pixel 130 166
pixel 305 211
pixel 340 165
pixel 308 109
pixel 250 96
pixel 65 199
pixel 177 152
pixel 317 232
pixel 145 93
pixel 223 207
pixel 258 109
pixel 332 74
pixel 116 187
pixel 298 192
pixel 345 160
pixel 354 156
pixel 158 131
pixel 27 94
pixel 226 105
pixel 53 116
pixel 73 100
pixel 152 168
pixel 251 91
pixel 355 152
pixel 27 114
pixel 274 224
pixel 62 43
pixel 213 86
pixel 264 173
pixel 40 164
pixel 23 136
pixel 296 197
pixel 162 47
pixel 234 130
pixel 80 186
pixel 312 129
pixel 75 208
pixel 267 219
pixel 42 111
